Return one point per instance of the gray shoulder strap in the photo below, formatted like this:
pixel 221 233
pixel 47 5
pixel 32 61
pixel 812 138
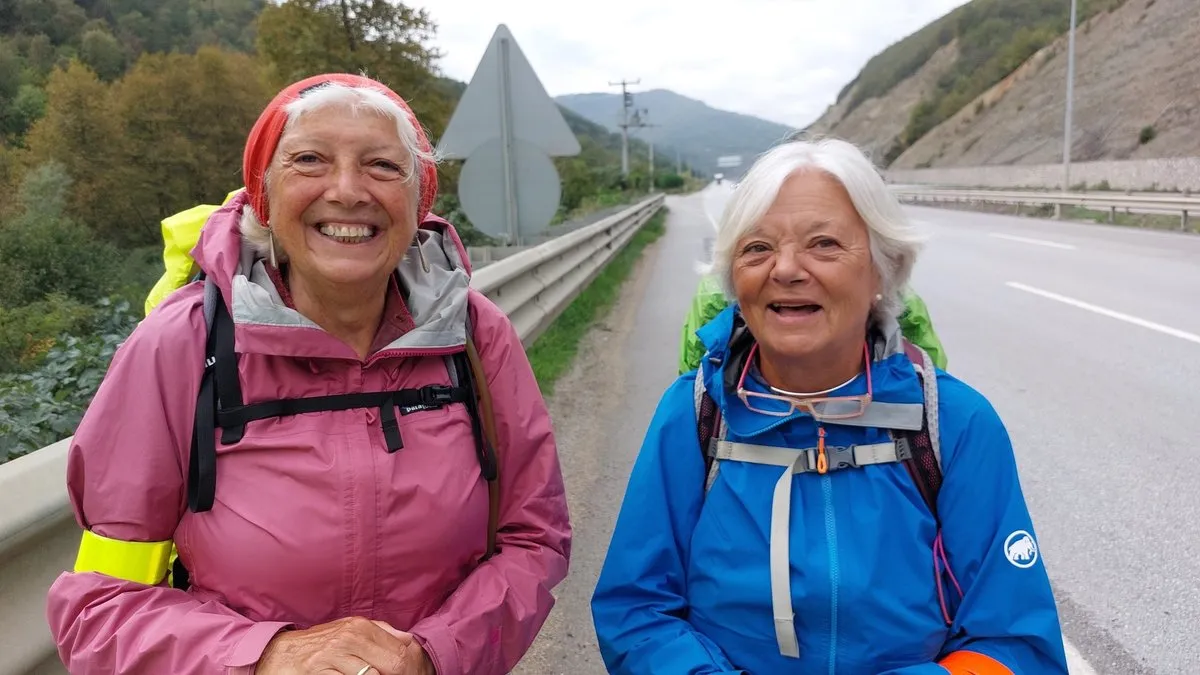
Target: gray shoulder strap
pixel 927 372
pixel 698 392
pixel 211 298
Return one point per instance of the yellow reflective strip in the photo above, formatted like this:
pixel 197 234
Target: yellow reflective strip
pixel 142 562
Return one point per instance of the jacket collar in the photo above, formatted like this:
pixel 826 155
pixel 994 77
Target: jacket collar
pixel 436 299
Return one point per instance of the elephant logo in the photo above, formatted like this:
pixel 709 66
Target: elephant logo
pixel 1020 549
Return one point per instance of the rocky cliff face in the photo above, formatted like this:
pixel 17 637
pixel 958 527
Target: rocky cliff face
pixel 877 122
pixel 1137 96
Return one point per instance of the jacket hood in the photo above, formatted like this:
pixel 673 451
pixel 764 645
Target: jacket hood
pixel 897 394
pixel 437 299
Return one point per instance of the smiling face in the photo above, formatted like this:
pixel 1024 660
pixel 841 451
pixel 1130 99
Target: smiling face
pixel 803 273
pixel 340 206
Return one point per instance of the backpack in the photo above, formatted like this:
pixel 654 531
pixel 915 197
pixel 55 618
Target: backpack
pixel 919 451
pixel 219 406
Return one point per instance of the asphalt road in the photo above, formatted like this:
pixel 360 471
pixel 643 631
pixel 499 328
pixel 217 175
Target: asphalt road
pixel 1086 338
pixel 1081 335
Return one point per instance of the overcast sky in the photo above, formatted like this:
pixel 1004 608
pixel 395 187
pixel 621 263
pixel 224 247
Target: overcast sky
pixel 782 60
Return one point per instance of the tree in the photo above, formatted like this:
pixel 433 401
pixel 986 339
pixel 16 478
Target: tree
pixel 384 40
pixel 25 109
pixel 59 19
pixel 185 120
pixel 103 54
pixel 43 251
pixel 79 133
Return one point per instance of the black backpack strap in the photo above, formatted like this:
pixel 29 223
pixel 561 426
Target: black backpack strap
pixel 229 387
pixel 202 462
pixel 219 405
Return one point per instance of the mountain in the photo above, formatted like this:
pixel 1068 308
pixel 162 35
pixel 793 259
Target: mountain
pixel 697 131
pixel 589 133
pixel 985 85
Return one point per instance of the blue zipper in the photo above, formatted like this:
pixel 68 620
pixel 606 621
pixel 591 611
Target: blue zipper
pixel 834 572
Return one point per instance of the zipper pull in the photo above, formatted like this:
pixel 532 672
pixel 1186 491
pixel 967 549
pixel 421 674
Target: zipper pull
pixel 822 461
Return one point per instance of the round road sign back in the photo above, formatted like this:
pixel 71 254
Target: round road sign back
pixel 481 189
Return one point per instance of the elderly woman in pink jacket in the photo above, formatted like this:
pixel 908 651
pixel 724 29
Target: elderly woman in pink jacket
pixel 343 442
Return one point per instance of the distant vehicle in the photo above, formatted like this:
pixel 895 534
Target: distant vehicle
pixel 719 176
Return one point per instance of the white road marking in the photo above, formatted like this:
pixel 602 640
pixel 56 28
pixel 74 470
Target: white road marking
pixel 1167 330
pixel 1028 240
pixel 1076 664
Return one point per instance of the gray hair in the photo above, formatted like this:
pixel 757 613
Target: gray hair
pixel 894 239
pixel 358 99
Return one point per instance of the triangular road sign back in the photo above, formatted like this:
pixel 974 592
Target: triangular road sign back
pixel 534 116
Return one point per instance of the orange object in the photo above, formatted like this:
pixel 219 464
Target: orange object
pixel 973 663
pixel 822 461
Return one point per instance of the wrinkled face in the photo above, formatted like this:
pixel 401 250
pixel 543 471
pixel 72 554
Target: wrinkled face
pixel 803 274
pixel 340 207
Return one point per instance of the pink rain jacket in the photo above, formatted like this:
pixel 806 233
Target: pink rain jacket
pixel 313 519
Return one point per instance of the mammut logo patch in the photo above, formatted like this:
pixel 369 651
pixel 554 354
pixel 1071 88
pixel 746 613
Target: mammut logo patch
pixel 410 409
pixel 1020 549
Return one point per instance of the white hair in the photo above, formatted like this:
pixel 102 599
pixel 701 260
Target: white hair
pixel 894 239
pixel 357 99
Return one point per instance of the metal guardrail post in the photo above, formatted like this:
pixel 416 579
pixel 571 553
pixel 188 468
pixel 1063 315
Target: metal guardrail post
pixel 1096 201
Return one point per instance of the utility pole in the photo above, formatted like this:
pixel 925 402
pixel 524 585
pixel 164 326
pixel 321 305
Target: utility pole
pixel 626 104
pixel 1067 132
pixel 651 167
pixel 639 123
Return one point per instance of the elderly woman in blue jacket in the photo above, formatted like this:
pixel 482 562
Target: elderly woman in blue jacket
pixel 819 497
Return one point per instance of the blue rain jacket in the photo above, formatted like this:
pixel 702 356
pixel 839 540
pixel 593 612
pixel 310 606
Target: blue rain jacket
pixel 685 588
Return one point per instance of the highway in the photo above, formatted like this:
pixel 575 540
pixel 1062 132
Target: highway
pixel 1085 337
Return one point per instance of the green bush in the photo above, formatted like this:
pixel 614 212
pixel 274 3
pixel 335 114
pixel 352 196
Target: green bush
pixel 28 332
pixel 670 181
pixel 45 405
pixel 43 252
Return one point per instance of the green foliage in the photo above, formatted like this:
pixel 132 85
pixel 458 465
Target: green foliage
pixel 670 181
pixel 26 107
pixel 29 331
pixel 103 54
pixel 45 405
pixel 1146 135
pixel 42 251
pixel 384 40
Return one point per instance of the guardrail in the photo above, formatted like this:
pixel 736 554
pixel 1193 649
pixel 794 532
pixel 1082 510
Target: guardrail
pixel 38 533
pixel 1099 201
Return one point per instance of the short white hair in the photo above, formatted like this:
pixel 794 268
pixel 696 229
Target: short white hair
pixel 358 99
pixel 894 240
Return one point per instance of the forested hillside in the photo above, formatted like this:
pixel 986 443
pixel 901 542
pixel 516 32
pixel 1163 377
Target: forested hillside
pixel 117 113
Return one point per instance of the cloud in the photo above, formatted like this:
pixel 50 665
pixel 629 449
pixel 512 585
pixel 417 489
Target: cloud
pixel 782 60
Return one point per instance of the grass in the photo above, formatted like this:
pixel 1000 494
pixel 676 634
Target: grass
pixel 555 350
pixel 1151 221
